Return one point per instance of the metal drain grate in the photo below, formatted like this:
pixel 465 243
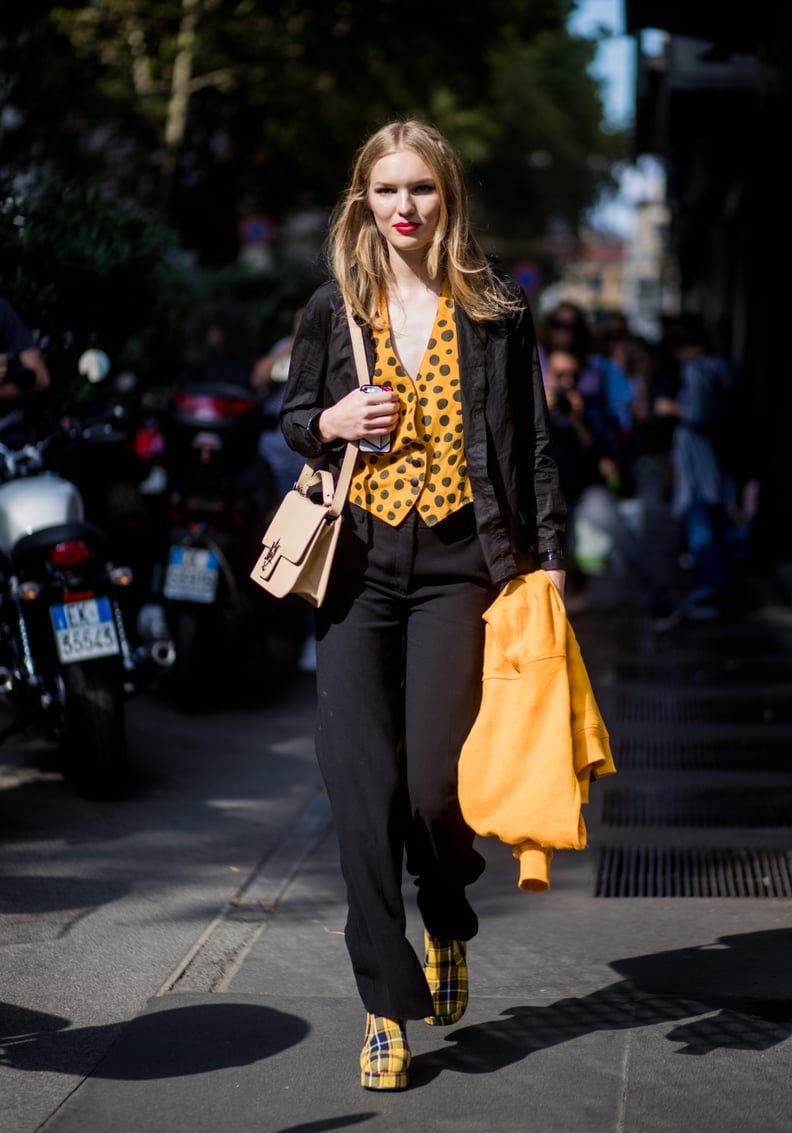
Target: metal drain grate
pixel 651 708
pixel 718 642
pixel 646 871
pixel 626 806
pixel 705 670
pixel 669 753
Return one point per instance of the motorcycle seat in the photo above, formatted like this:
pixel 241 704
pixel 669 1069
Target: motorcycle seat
pixel 32 545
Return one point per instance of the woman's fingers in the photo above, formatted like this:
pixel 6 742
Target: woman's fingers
pixel 360 415
pixel 379 411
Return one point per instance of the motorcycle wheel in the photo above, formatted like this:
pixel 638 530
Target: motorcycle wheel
pixel 94 742
pixel 206 662
pixel 195 636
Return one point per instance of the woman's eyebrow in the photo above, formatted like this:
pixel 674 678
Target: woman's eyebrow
pixel 410 184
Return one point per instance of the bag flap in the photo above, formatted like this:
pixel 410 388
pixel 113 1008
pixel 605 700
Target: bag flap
pixel 293 527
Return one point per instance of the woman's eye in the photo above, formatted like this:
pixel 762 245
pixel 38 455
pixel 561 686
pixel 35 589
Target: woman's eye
pixel 424 188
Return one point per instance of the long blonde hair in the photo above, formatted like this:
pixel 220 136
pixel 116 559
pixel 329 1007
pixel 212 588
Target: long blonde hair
pixel 358 253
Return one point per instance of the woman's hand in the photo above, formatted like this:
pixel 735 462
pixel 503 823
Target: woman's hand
pixel 576 400
pixel 359 414
pixel 558 578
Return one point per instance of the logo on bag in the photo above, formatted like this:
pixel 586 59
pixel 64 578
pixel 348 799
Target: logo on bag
pixel 270 554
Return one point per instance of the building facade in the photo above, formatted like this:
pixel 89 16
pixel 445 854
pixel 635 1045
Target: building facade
pixel 713 105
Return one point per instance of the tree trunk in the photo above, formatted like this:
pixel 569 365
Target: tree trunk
pixel 178 103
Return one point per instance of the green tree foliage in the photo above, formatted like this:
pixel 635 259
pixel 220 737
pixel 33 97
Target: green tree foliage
pixel 85 268
pixel 214 109
pixel 77 263
pixel 566 156
pixel 132 129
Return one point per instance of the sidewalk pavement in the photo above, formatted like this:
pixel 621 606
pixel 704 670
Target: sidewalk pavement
pixel 641 1012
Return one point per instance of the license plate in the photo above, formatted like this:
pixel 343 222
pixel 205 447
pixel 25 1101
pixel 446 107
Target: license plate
pixel 192 575
pixel 84 630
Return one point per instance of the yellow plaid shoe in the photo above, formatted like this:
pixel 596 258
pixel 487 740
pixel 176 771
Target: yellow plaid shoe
pixel 385 1057
pixel 446 970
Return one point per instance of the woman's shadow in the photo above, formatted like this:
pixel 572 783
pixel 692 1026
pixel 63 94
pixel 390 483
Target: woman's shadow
pixel 745 980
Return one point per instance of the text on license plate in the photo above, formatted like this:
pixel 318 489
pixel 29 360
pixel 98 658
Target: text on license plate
pixel 192 574
pixel 84 630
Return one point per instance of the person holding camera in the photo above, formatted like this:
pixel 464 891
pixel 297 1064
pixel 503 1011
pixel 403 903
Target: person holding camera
pixel 581 433
pixel 23 371
pixel 585 446
pixel 454 493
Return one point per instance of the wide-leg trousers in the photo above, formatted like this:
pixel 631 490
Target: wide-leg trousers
pixel 400 641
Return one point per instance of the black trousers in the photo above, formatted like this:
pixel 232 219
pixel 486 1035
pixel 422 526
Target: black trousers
pixel 400 642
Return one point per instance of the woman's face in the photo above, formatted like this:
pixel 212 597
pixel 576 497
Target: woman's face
pixel 404 201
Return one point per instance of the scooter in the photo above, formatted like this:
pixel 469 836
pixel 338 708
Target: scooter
pixel 66 660
pixel 211 433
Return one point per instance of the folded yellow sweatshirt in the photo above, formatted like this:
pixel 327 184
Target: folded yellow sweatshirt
pixel 539 737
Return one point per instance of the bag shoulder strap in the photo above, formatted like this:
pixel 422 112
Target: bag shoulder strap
pixel 350 455
pixel 358 349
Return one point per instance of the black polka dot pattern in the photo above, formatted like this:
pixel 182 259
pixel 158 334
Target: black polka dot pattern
pixel 426 467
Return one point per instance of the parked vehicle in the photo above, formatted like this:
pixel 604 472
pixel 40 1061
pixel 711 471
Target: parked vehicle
pixel 67 657
pixel 108 471
pixel 215 520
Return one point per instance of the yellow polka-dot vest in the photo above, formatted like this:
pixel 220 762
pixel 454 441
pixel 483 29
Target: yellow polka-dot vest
pixel 426 467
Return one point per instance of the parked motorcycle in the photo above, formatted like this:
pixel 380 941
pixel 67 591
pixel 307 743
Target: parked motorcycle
pixel 211 433
pixel 67 659
pixel 108 472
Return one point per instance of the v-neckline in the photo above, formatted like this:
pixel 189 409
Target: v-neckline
pixel 385 312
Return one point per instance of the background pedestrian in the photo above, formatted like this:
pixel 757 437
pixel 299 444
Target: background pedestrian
pixel 702 487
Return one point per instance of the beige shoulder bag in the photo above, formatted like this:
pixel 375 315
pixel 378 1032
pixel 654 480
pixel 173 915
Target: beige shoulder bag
pixel 299 544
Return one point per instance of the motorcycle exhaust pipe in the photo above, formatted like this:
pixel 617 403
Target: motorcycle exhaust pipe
pixel 163 653
pixel 160 654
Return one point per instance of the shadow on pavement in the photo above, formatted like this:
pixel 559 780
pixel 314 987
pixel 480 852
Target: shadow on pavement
pixel 164 1043
pixel 722 983
pixel 345 1122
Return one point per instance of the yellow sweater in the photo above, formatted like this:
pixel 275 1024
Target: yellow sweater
pixel 539 737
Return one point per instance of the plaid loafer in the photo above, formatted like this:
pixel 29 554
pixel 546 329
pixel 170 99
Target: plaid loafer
pixel 446 970
pixel 385 1057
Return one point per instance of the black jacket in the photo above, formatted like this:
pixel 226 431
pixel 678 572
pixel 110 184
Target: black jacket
pixel 519 507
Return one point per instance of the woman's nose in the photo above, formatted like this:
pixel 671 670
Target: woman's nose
pixel 406 204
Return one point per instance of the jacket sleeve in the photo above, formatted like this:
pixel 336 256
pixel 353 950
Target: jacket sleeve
pixel 305 395
pixel 539 485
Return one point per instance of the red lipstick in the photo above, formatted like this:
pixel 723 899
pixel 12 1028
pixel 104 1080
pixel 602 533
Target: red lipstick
pixel 406 226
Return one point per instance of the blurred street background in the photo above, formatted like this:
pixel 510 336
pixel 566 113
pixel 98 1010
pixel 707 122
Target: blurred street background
pixel 172 949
